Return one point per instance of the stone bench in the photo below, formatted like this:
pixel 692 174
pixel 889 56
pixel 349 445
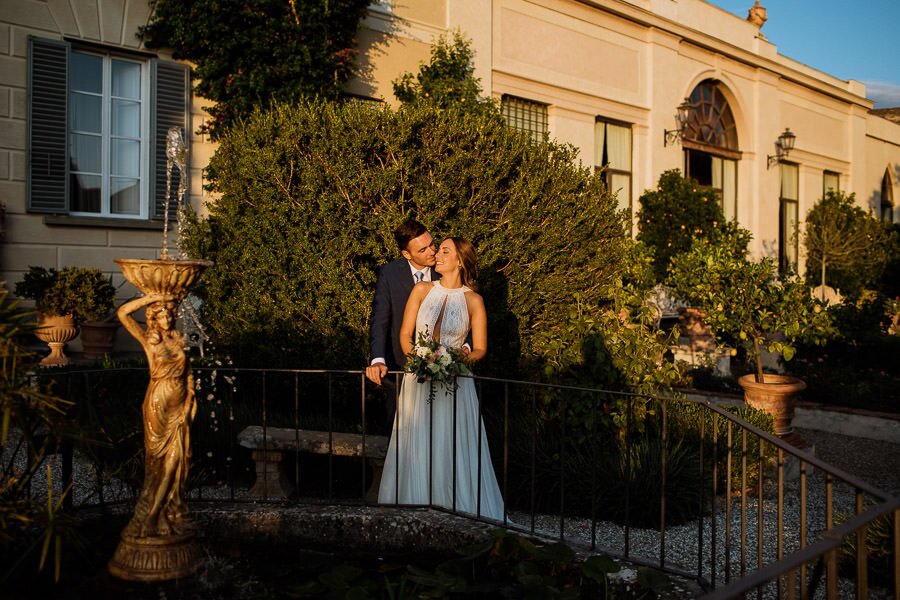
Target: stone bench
pixel 272 480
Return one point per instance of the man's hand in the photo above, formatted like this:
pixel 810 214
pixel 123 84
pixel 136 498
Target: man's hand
pixel 376 372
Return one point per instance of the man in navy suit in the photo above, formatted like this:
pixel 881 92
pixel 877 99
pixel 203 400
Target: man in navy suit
pixel 392 288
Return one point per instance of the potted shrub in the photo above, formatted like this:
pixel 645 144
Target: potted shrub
pixel 747 302
pixel 55 322
pixel 62 299
pixel 94 311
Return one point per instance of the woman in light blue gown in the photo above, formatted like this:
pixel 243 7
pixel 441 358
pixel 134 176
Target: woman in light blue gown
pixel 422 446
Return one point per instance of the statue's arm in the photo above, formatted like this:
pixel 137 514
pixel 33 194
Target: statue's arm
pixel 132 306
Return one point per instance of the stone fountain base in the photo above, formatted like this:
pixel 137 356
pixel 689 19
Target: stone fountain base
pixel 156 558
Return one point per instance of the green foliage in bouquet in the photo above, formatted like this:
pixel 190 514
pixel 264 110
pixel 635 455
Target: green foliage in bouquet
pixel 430 360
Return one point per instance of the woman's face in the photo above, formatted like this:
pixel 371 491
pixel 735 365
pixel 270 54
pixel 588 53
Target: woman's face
pixel 447 259
pixel 163 318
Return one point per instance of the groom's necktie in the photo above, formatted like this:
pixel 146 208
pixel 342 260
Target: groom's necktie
pixel 419 276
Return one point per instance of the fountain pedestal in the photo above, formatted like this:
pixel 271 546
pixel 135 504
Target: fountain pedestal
pixel 158 543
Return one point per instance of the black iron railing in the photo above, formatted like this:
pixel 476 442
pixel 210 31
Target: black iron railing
pixel 738 510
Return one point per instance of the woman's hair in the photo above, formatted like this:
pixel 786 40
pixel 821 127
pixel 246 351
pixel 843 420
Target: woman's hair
pixel 468 263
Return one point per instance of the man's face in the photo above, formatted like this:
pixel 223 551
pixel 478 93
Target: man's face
pixel 420 251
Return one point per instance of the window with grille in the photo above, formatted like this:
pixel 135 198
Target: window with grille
pixel 612 151
pixel 525 115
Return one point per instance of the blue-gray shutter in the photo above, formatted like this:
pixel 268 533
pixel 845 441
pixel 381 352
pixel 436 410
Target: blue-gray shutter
pixel 48 83
pixel 170 108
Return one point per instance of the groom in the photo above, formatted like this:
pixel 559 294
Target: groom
pixel 392 288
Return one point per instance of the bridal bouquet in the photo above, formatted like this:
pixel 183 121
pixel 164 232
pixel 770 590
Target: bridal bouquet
pixel 432 361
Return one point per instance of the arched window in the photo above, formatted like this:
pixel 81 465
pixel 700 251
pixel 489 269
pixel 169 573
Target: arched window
pixel 711 124
pixel 710 144
pixel 887 197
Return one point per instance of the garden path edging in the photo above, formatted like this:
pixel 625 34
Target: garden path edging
pixel 855 422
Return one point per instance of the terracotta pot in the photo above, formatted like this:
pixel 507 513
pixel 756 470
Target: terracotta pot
pixel 97 338
pixel 777 396
pixel 56 331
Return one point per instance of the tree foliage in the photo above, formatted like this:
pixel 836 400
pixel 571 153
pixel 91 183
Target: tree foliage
pixel 309 196
pixel 447 80
pixel 673 214
pixel 846 248
pixel 745 300
pixel 250 53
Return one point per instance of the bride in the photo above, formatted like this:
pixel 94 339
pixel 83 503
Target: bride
pixel 421 449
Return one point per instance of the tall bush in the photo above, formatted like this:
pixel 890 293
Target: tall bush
pixel 846 247
pixel 448 79
pixel 308 196
pixel 670 216
pixel 250 53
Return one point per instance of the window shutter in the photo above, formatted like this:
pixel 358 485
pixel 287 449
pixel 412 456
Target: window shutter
pixel 171 85
pixel 48 82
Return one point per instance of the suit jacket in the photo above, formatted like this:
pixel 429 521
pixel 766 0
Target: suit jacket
pixel 392 289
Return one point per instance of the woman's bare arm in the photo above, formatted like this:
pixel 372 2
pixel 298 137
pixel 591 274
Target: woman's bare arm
pixel 408 325
pixel 478 323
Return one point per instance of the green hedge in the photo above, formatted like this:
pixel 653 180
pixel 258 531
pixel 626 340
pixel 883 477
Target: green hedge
pixel 307 198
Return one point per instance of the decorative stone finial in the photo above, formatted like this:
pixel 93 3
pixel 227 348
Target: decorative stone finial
pixel 757 14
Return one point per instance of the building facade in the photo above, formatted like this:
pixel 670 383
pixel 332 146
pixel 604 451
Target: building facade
pixel 85 108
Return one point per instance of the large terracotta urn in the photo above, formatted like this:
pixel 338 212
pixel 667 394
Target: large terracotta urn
pixel 158 544
pixel 777 395
pixel 56 331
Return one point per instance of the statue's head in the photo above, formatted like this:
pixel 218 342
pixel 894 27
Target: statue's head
pixel 161 316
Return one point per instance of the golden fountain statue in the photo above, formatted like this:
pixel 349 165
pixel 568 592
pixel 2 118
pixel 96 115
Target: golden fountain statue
pixel 158 543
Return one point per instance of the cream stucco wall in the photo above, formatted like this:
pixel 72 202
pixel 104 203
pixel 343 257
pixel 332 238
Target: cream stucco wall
pixel 635 61
pixel 627 61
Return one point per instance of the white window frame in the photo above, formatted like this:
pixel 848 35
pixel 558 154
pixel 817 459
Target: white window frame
pixel 106 138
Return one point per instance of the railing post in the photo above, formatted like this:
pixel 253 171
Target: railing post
pixel 862 571
pixel 664 441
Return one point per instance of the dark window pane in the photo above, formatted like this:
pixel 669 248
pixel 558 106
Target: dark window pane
pixel 85 190
pixel 700 167
pixel 86 73
pixel 85 112
pixel 84 153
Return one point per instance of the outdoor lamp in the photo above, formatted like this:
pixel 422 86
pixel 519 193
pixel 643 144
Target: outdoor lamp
pixel 682 115
pixel 783 146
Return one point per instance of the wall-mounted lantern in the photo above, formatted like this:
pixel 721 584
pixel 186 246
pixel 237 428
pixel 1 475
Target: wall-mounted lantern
pixel 682 116
pixel 783 146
